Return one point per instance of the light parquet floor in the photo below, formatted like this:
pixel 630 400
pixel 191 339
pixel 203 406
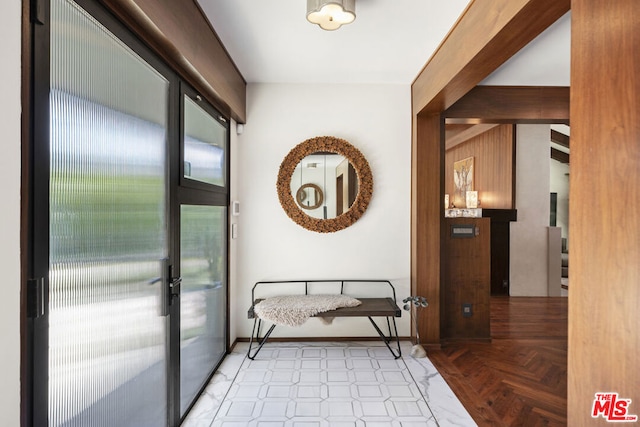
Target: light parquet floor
pixel 520 377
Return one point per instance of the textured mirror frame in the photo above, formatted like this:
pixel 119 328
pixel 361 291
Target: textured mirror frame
pixel 318 145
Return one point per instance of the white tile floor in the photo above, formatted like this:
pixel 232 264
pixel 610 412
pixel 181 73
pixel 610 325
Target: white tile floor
pixel 355 384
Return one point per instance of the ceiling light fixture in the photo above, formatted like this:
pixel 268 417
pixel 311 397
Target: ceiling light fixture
pixel 331 14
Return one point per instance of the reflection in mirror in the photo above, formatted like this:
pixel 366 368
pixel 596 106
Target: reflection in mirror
pixel 324 184
pixel 309 196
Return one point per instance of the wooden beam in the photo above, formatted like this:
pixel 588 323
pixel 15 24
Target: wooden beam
pixel 604 255
pixel 560 156
pixel 559 138
pixel 467 134
pixel 180 33
pixel 487 34
pixel 511 104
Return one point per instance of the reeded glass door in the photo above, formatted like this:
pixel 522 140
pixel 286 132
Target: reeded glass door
pixel 203 262
pixel 108 228
pixel 203 195
pixel 127 237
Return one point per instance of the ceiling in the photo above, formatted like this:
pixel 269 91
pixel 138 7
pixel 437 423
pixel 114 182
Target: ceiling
pixel 390 41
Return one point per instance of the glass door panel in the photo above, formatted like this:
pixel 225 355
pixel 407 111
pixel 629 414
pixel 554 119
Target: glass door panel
pixel 203 299
pixel 204 146
pixel 108 228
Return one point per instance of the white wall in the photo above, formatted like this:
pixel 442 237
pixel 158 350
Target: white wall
pixel 376 120
pixel 529 235
pixel 10 110
pixel 233 220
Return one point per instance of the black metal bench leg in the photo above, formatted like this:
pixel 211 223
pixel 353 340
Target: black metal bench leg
pixel 256 332
pixel 392 333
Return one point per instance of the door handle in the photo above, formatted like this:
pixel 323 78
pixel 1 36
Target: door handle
pixel 170 287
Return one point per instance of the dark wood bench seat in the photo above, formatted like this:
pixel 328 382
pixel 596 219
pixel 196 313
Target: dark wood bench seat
pixel 374 307
pixel 369 307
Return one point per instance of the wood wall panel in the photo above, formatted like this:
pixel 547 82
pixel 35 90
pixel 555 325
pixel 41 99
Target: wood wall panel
pixel 457 135
pixel 604 290
pixel 427 161
pixel 493 153
pixel 180 33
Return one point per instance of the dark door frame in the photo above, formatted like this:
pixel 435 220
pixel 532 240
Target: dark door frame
pixel 35 201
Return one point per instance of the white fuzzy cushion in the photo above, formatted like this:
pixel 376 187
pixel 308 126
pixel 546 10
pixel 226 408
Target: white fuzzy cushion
pixel 294 310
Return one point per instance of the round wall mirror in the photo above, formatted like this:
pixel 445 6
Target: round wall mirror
pixel 325 184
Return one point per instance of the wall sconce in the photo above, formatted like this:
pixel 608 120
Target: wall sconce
pixel 472 199
pixel 331 14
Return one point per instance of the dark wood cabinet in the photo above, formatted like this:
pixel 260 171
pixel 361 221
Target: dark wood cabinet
pixel 467 279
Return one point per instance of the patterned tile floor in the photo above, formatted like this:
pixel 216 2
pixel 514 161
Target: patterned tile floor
pixel 355 384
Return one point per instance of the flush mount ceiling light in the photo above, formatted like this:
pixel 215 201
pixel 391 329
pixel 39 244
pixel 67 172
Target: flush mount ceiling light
pixel 331 14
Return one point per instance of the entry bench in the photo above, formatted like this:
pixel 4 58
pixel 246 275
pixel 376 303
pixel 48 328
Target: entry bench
pixel 369 307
